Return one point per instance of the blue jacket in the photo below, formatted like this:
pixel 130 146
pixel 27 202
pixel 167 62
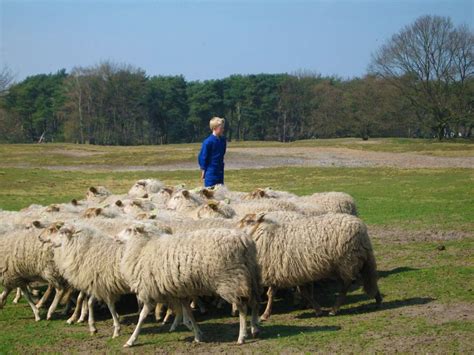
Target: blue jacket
pixel 211 159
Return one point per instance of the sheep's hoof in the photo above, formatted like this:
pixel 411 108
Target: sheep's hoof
pixel 93 331
pixel 37 319
pixel 240 341
pixel 80 321
pixel 333 312
pixel 264 317
pixel 255 333
pixel 70 321
pixel 127 345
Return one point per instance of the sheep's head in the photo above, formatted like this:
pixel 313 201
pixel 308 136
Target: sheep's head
pixel 182 200
pixel 256 194
pixel 49 234
pixel 97 192
pixel 214 209
pixel 251 221
pixel 92 212
pixel 131 232
pixel 74 202
pixel 207 193
pixel 52 208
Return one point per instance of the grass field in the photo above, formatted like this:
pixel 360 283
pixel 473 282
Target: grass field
pixel 428 293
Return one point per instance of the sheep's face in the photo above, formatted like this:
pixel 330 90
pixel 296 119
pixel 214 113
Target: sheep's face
pixel 209 210
pixel 207 193
pixel 130 233
pixel 98 192
pixel 52 208
pixel 182 200
pixel 92 212
pixel 256 195
pixel 49 234
pixel 214 209
pixel 139 188
pixel 251 221
pixel 162 196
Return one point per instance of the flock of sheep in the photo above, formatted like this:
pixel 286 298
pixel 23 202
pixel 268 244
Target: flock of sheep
pixel 176 247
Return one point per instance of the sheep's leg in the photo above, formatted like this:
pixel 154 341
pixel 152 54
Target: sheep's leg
pixel 169 313
pixel 220 303
pixel 234 310
pixel 158 311
pixel 28 298
pixel 45 297
pixel 3 296
pixel 115 317
pixel 200 304
pixel 77 310
pixel 17 296
pixel 254 320
pixel 341 298
pixel 178 315
pixel 90 306
pixel 268 310
pixel 243 323
pixel 189 314
pixel 54 305
pixel 143 314
pixel 307 294
pixel 84 310
pixel 140 305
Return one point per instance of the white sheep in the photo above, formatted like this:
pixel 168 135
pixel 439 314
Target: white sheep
pixel 90 261
pixel 25 259
pixel 300 252
pixel 163 269
pixel 337 202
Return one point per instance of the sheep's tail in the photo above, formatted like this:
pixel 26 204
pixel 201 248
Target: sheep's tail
pixel 369 277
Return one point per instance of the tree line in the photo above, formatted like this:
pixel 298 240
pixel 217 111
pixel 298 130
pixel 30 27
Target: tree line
pixel 420 83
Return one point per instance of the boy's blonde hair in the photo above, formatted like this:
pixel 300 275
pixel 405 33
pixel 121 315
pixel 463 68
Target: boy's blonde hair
pixel 216 122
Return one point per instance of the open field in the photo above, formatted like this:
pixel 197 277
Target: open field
pixel 411 212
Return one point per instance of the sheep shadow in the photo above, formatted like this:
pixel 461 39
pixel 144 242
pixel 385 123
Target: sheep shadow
pixel 228 332
pixel 372 307
pixel 397 270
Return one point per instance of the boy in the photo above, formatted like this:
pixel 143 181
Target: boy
pixel 211 157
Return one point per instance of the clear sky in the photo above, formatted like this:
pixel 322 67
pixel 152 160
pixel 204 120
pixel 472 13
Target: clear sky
pixel 208 39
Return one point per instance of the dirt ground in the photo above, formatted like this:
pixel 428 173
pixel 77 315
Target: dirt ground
pixel 266 157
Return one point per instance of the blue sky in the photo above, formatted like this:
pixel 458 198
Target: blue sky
pixel 207 40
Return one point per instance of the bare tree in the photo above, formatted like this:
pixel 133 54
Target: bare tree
pixel 6 79
pixel 432 64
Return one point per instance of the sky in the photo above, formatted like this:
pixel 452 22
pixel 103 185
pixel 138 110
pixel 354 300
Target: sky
pixel 208 39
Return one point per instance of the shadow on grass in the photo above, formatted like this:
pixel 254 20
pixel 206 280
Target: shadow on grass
pixel 228 332
pixel 397 270
pixel 372 307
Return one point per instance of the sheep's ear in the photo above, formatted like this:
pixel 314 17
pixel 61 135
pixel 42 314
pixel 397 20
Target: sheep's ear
pixel 119 203
pixel 93 190
pixel 213 204
pixel 145 196
pixel 260 217
pixel 185 193
pixel 169 190
pixel 37 224
pixel 98 211
pixel 207 193
pixel 261 193
pixel 152 216
pixel 74 202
